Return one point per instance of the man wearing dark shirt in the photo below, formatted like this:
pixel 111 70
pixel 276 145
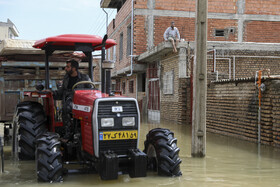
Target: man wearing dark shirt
pixel 65 93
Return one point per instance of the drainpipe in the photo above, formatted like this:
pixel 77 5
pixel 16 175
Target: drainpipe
pixel 106 20
pixel 229 69
pixel 234 67
pixel 131 39
pixel 214 59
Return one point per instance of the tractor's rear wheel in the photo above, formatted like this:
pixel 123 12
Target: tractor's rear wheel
pixel 163 153
pixel 49 158
pixel 29 123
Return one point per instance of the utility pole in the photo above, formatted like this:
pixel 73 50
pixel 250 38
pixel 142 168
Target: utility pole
pixel 200 81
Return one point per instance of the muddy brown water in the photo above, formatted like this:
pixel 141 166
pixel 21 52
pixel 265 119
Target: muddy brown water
pixel 228 162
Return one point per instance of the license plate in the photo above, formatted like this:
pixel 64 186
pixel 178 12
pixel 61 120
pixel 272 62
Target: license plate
pixel 118 135
pixel 117 109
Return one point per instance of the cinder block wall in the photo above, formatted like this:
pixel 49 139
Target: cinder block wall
pixel 232 110
pixel 169 103
pixel 246 62
pixel 175 107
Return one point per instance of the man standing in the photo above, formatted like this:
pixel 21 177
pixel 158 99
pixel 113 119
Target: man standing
pixel 65 93
pixel 172 34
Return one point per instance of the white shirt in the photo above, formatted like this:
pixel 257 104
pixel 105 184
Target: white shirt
pixel 171 33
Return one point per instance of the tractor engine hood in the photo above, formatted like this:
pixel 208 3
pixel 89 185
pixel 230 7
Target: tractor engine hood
pixel 83 101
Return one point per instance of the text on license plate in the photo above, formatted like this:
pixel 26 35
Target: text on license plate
pixel 118 135
pixel 117 109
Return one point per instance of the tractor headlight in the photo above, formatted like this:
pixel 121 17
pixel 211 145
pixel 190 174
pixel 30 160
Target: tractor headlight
pixel 107 122
pixel 128 121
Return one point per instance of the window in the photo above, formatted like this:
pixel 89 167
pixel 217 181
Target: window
pixel 168 82
pixel 123 87
pixel 219 32
pixel 121 47
pixel 128 46
pixel 131 86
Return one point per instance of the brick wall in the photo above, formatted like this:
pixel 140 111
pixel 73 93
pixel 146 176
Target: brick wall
pixel 270 7
pixel 121 23
pixel 254 31
pixel 141 4
pixel 140 35
pixel 227 25
pixel 246 63
pixel 184 102
pixel 221 6
pixel 262 31
pixel 173 107
pixel 186 27
pixel 125 61
pixel 177 5
pixel 232 110
pixel 127 80
pixel 169 102
pixel 275 111
pixel 123 13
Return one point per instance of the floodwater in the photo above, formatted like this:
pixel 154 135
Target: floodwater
pixel 228 162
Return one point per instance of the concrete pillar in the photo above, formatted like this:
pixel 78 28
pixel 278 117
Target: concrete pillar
pixel 182 62
pixel 200 81
pixel 150 24
pixel 240 12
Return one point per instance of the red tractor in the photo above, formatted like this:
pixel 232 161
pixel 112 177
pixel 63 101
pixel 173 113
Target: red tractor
pixel 106 127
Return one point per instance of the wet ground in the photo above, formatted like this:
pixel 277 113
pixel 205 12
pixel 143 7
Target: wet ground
pixel 228 162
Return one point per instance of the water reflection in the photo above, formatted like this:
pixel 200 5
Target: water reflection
pixel 228 162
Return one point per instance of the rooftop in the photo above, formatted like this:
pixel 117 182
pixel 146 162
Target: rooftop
pixel 163 48
pixel 11 25
pixel 112 3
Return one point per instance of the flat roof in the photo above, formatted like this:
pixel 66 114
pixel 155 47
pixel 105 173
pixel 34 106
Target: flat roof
pixel 161 49
pixel 112 3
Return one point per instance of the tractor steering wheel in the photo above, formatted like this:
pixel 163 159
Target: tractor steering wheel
pixel 83 82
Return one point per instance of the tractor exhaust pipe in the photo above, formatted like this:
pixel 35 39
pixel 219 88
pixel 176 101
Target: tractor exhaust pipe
pixel 103 71
pixel 106 67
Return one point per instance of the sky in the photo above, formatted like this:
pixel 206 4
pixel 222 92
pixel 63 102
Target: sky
pixel 38 19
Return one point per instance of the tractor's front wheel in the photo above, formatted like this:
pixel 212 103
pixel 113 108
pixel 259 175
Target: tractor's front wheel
pixel 163 153
pixel 49 158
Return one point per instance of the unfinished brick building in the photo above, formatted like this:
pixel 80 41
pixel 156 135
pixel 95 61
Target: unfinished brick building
pixel 232 25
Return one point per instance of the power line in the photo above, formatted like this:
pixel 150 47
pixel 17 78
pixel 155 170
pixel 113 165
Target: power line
pixel 97 20
pixel 101 25
pixel 100 21
pixel 94 24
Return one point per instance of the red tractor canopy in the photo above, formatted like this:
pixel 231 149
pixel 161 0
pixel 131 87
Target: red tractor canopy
pixel 73 42
pixel 70 42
